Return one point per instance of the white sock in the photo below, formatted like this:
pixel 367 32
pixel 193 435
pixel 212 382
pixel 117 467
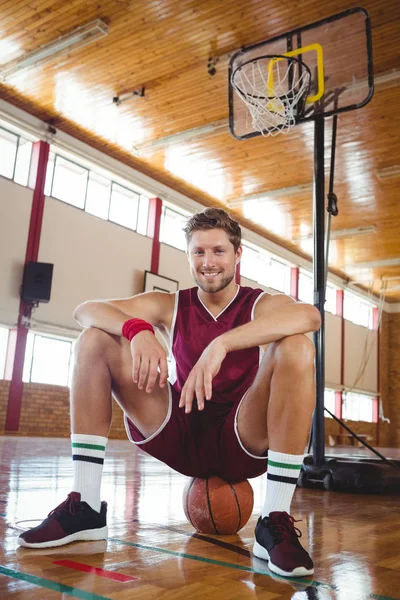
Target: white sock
pixel 282 475
pixel 88 453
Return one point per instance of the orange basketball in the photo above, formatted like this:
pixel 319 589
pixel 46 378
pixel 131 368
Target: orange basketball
pixel 216 506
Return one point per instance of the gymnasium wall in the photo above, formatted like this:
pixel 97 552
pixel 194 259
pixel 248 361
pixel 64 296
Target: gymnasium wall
pixel 15 210
pixel 94 258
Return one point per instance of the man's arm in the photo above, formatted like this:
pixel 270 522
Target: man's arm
pixel 148 356
pixel 110 315
pixel 275 317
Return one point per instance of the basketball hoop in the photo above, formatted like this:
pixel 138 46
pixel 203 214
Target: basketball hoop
pixel 274 88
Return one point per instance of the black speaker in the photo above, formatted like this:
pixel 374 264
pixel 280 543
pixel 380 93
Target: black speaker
pixel 36 285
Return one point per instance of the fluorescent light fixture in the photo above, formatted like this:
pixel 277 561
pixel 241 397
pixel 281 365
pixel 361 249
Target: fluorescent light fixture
pixel 389 262
pixel 388 173
pixel 77 38
pixel 341 233
pixel 189 134
pixel 274 194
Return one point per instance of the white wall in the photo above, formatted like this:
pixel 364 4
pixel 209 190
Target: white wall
pixel 333 341
pixel 93 259
pixel 355 339
pixel 174 264
pixel 15 210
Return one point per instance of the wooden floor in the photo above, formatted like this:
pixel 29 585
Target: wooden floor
pixel 354 539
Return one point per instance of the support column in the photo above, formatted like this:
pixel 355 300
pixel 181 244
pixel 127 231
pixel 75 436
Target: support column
pixel 294 282
pixel 339 395
pixel 237 273
pixel 153 231
pixel 17 341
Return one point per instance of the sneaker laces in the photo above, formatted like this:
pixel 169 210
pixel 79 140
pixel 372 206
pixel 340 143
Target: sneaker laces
pixel 69 505
pixel 282 526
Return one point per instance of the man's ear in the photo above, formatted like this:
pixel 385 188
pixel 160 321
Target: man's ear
pixel 238 255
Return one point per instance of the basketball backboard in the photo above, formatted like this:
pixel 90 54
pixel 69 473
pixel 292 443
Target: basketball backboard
pixel 338 54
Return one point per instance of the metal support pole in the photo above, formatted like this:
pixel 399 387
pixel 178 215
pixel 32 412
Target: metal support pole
pixel 319 288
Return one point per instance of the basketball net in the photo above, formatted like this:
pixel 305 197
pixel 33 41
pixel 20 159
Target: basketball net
pixel 274 89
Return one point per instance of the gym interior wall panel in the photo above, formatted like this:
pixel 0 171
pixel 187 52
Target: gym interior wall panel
pixel 253 284
pixel 93 259
pixel 333 341
pixel 15 211
pixel 174 264
pixel 360 358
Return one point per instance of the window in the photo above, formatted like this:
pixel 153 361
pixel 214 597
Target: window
pixel 357 310
pixel 8 150
pixel 330 299
pixel 98 196
pixel 262 267
pixel 47 360
pixel 329 401
pixel 306 287
pixel 172 224
pixel 4 333
pixel 69 182
pixel 124 206
pixel 357 407
pixel 15 156
pixel 23 162
pixel 306 292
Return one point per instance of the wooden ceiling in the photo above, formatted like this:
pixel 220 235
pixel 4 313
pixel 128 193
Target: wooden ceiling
pixel 164 46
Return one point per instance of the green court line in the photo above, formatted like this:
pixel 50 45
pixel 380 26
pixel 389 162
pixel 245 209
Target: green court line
pixel 51 585
pixel 221 563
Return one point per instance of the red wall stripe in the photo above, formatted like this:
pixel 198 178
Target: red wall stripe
pixel 153 231
pixel 71 564
pixel 294 282
pixel 16 349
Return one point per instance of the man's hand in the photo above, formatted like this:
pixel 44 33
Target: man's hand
pixel 200 377
pixel 148 355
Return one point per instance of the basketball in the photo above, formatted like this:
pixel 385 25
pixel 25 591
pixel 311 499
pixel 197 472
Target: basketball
pixel 214 505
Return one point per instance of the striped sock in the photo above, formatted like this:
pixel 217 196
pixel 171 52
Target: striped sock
pixel 88 453
pixel 282 475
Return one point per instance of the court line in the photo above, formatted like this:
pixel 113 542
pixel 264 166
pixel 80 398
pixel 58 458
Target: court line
pixel 51 585
pixel 220 563
pixel 78 566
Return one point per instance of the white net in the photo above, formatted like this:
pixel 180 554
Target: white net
pixel 274 89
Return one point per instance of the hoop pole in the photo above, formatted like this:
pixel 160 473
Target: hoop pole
pixel 319 288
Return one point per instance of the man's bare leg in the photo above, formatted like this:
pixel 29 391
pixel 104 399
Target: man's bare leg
pixel 276 414
pixel 277 410
pixel 103 365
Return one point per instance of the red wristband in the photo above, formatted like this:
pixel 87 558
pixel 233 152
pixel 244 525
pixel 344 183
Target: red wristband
pixel 133 326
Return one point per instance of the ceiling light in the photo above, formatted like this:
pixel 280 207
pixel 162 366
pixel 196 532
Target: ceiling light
pixel 389 262
pixel 388 172
pixel 189 134
pixel 274 194
pixel 341 233
pixel 77 38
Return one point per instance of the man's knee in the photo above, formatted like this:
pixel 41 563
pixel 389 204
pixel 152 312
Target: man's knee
pixel 296 351
pixel 93 341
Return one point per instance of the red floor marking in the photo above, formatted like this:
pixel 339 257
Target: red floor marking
pixel 71 564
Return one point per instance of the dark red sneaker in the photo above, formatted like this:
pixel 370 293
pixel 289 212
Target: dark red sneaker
pixel 71 521
pixel 277 540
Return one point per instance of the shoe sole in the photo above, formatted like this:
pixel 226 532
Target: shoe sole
pixel 87 535
pixel 260 552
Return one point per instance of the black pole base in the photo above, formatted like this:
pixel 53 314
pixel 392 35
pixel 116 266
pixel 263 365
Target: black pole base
pixel 357 475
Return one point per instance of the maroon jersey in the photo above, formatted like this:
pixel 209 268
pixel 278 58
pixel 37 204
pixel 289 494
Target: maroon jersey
pixel 194 327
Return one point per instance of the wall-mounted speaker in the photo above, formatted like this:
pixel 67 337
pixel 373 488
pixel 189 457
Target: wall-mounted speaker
pixel 36 284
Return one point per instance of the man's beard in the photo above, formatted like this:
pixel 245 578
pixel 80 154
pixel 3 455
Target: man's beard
pixel 211 288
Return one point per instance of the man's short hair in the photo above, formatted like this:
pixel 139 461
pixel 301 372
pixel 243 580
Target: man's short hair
pixel 214 218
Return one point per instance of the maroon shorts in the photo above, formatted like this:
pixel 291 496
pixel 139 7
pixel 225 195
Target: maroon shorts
pixel 200 444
